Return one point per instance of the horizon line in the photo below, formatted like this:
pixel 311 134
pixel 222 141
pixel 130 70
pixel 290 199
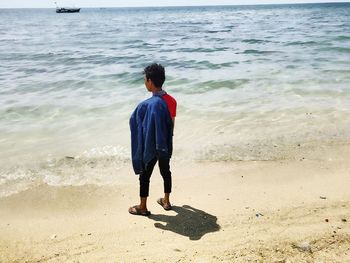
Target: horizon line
pixel 211 5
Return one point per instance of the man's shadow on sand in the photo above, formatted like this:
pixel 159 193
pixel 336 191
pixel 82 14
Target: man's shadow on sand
pixel 189 221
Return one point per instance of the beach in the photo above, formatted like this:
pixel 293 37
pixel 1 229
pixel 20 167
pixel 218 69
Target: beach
pixel 261 141
pixel 274 211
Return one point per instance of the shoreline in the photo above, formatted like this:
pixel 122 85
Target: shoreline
pixel 274 211
pixel 113 166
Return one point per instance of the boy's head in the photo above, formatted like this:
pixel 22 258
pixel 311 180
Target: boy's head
pixel 156 73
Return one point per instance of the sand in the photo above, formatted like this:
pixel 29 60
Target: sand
pixel 295 210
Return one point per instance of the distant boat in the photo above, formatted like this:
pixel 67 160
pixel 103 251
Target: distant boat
pixel 67 10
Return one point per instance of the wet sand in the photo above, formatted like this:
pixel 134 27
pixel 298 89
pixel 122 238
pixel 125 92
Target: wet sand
pixel 272 211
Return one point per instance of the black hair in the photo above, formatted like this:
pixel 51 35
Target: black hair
pixel 156 73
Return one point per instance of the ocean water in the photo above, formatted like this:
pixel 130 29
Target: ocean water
pixel 251 82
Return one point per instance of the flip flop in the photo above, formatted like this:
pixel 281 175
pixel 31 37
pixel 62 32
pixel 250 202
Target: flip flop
pixel 165 207
pixel 137 211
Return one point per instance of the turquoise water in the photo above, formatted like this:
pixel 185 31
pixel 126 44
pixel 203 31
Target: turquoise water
pixel 246 78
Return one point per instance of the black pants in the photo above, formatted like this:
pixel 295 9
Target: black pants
pixel 164 169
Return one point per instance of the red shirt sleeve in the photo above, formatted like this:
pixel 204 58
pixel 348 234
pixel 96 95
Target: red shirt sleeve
pixel 171 102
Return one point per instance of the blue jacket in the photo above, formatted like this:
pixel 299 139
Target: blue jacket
pixel 151 132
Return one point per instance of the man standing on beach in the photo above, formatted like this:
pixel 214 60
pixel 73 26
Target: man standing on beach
pixel 151 126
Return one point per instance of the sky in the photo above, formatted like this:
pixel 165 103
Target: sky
pixel 133 3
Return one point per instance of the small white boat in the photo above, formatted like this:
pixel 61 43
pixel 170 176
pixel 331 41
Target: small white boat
pixel 67 9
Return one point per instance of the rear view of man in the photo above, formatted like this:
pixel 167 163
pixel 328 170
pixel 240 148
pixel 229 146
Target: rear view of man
pixel 151 126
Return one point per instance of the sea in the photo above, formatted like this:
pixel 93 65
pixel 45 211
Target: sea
pixel 252 83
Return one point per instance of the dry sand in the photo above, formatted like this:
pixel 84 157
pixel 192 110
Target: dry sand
pixel 275 211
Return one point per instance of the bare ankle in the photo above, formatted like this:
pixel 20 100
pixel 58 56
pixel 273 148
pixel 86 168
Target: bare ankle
pixel 166 200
